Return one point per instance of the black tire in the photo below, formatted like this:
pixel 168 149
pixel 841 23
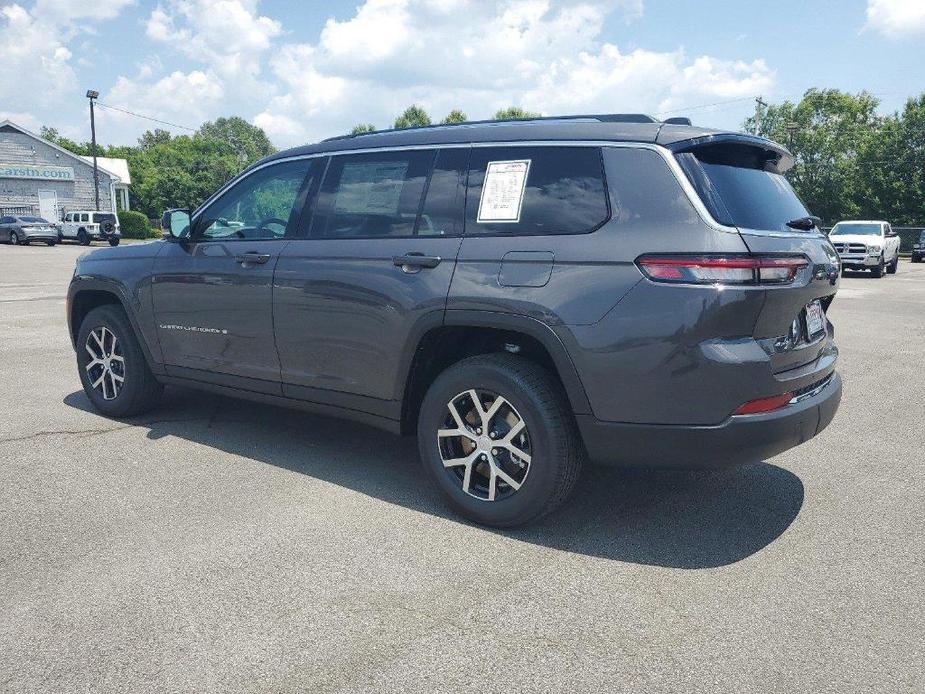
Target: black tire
pixel 113 242
pixel 878 271
pixel 893 266
pixel 14 238
pixel 140 391
pixel 83 238
pixel 51 243
pixel 556 450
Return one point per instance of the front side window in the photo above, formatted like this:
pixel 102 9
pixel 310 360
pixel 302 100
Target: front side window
pixel 259 207
pixel 84 217
pixel 371 195
pixel 6 220
pixel 536 190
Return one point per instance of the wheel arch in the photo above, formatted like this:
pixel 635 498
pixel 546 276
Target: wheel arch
pixel 87 294
pixel 464 334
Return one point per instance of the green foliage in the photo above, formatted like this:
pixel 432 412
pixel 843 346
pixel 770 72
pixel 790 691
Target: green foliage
pixel 135 225
pixel 515 113
pixel 361 128
pixel 248 142
pixel 455 116
pixel 829 128
pixel 414 116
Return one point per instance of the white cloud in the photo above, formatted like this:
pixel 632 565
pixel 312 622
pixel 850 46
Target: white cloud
pixel 896 18
pixel 480 57
pixel 65 11
pixel 28 47
pixel 26 120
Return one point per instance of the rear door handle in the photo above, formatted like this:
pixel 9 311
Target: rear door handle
pixel 252 258
pixel 412 262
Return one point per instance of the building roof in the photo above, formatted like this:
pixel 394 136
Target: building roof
pixel 118 168
pixel 76 157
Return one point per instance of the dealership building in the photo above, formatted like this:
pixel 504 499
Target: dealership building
pixel 39 177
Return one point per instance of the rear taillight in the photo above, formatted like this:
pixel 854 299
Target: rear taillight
pixel 775 402
pixel 721 269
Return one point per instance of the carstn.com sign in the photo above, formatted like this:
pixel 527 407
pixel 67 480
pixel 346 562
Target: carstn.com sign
pixel 45 173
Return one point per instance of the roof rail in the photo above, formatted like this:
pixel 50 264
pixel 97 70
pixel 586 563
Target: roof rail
pixel 600 117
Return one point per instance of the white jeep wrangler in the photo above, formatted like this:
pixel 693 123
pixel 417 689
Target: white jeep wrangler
pixel 87 226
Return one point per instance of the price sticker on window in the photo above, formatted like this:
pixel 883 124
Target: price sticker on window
pixel 503 191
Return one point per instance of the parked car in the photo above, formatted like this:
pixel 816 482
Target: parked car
pixel 87 226
pixel 522 296
pixel 870 246
pixel 918 248
pixel 23 230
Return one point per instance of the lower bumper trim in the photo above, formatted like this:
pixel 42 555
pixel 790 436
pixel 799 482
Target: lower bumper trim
pixel 740 439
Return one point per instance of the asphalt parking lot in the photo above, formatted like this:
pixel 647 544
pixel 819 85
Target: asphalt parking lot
pixel 218 545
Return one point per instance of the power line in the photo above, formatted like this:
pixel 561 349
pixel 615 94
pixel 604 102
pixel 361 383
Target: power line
pixel 141 115
pixel 695 108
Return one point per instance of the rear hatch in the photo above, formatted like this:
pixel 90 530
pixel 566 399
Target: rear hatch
pixel 740 180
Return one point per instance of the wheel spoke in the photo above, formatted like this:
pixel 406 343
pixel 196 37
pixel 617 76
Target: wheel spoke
pixel 492 482
pixel 455 414
pixel 113 384
pixel 468 460
pixel 99 381
pixel 516 429
pixel 493 410
pixel 94 362
pixel 510 481
pixel 516 451
pixel 447 433
pixel 99 341
pixel 480 411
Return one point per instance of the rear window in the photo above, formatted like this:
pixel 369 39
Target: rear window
pixel 536 190
pixel 104 217
pixel 739 190
pixel 372 195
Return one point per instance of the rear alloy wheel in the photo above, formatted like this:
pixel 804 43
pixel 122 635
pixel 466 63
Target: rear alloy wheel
pixel 14 238
pixel 112 366
pixel 496 436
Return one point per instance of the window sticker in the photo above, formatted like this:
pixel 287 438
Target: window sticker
pixel 371 187
pixel 503 191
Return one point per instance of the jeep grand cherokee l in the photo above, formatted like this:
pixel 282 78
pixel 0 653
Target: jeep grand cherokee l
pixel 522 295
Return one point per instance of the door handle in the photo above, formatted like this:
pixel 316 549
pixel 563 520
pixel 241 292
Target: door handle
pixel 252 258
pixel 413 262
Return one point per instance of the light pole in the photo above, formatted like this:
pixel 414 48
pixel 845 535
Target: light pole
pixel 91 95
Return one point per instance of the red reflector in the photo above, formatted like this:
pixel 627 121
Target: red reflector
pixel 765 404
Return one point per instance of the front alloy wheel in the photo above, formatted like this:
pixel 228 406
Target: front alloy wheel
pixel 14 238
pixel 485 445
pixel 106 368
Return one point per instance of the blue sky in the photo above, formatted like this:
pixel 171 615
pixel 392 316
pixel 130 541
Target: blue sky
pixel 307 70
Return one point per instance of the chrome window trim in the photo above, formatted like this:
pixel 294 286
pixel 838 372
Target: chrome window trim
pixel 664 152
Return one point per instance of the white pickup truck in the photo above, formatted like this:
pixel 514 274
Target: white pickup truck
pixel 866 245
pixel 87 226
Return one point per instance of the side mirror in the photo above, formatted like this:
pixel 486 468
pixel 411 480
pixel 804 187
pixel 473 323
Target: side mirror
pixel 892 234
pixel 176 223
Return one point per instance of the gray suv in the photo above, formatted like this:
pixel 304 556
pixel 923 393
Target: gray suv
pixel 524 296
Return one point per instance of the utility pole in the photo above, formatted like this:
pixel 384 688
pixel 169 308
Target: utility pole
pixel 759 102
pixel 91 95
pixel 791 131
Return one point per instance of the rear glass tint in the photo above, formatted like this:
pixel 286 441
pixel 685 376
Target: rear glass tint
pixel 559 190
pixel 738 190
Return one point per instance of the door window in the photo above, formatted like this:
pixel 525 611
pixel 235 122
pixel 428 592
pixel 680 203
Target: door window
pixel 372 195
pixel 536 190
pixel 444 201
pixel 84 217
pixel 261 206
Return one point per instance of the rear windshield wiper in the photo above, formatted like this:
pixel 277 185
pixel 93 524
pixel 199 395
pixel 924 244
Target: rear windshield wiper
pixel 804 223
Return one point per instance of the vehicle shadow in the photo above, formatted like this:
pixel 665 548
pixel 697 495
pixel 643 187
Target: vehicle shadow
pixel 689 520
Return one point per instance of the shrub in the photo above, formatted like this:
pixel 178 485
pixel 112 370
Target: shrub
pixel 135 225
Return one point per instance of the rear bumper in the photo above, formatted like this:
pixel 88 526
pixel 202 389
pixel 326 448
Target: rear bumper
pixel 740 439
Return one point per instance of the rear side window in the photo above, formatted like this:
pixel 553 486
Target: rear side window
pixel 536 190
pixel 739 188
pixel 371 195
pixel 442 212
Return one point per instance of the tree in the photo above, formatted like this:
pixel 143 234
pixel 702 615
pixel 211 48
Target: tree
pixel 515 113
pixel 361 128
pixel 52 135
pixel 455 116
pixel 150 138
pixel 248 142
pixel 413 117
pixel 830 128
